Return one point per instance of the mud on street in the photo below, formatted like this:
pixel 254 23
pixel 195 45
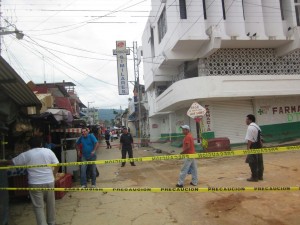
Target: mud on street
pixel 182 208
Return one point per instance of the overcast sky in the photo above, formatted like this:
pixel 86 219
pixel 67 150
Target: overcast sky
pixel 72 40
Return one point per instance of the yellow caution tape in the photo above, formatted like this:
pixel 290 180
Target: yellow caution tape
pixel 145 189
pixel 170 157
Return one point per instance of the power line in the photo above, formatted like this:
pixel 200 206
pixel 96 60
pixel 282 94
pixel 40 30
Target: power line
pixel 53 15
pixel 113 60
pixel 168 6
pixel 71 66
pixel 83 23
pixel 78 70
pixel 47 58
pixel 71 47
pixel 16 61
pixel 80 56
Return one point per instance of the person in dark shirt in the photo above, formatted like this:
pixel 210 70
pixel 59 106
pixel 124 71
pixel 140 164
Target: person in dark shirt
pixel 107 138
pixel 126 145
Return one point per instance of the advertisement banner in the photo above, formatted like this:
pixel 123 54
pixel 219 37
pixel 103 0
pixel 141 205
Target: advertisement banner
pixel 121 53
pixel 278 110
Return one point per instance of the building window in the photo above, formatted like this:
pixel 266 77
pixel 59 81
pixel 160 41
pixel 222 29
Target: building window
pixel 162 25
pixel 243 6
pixel 223 9
pixel 182 9
pixel 297 9
pixel 152 43
pixel 281 9
pixel 204 9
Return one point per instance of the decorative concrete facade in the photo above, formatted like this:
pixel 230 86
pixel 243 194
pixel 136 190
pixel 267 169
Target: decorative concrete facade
pixel 233 57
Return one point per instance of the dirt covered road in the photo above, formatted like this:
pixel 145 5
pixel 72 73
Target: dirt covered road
pixel 182 208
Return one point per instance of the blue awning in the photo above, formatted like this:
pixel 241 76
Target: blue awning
pixel 82 114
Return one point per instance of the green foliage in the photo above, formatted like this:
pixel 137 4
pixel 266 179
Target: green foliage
pixel 204 143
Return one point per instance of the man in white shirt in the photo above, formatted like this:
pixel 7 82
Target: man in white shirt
pixel 253 139
pixel 40 177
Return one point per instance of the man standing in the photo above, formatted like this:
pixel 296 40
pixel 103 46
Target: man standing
pixel 107 139
pixel 253 139
pixel 126 145
pixel 89 145
pixel 189 165
pixel 40 177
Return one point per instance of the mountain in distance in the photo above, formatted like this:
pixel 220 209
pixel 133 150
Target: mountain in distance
pixel 108 114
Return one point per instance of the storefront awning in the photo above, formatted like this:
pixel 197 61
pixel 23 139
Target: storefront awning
pixel 67 130
pixel 15 87
pixel 61 115
pixel 46 117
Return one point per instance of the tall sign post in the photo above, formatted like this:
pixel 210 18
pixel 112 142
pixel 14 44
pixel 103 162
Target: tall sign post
pixel 196 111
pixel 121 52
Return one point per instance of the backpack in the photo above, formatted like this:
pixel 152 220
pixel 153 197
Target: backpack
pixel 257 144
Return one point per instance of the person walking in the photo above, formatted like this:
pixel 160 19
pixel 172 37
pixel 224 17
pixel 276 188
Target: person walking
pixel 107 139
pixel 40 177
pixel 89 145
pixel 254 141
pixel 126 146
pixel 189 165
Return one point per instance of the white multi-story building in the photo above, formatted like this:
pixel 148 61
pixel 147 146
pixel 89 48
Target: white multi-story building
pixel 234 57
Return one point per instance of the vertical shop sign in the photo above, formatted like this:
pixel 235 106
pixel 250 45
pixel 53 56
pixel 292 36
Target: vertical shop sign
pixel 121 52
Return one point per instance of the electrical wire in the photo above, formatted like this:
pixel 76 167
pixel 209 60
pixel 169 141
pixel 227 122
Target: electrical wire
pixel 84 50
pixel 47 58
pixel 80 56
pixel 78 70
pixel 74 48
pixel 53 15
pixel 83 23
pixel 16 61
pixel 160 3
pixel 86 74
pixel 48 61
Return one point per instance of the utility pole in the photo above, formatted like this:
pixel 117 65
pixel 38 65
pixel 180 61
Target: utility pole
pixel 19 34
pixel 89 111
pixel 137 83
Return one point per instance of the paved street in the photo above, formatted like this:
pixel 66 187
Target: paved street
pixel 93 208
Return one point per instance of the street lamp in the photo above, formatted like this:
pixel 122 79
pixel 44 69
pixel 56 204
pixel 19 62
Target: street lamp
pixel 19 34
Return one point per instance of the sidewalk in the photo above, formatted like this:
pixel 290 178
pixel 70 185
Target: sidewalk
pixel 165 148
pixel 168 149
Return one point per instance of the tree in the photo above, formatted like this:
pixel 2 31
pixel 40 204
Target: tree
pixel 112 122
pixel 106 123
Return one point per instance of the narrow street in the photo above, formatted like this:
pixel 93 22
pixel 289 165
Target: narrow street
pixel 182 208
